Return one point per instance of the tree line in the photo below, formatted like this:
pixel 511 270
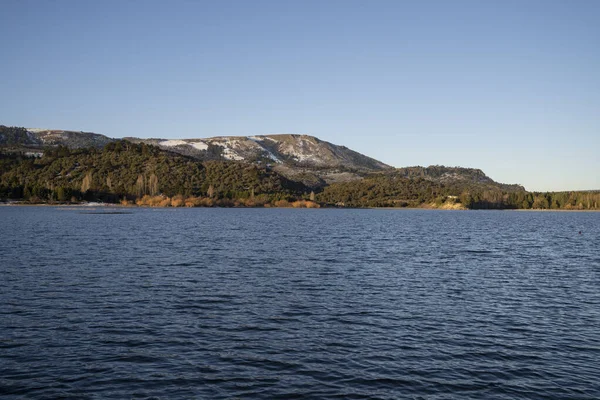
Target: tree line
pixel 130 173
pixel 127 171
pixel 396 190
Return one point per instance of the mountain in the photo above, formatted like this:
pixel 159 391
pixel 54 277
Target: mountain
pixel 267 170
pixel 454 176
pixel 294 150
pixel 71 139
pixel 304 159
pixel 38 138
pixel 125 170
pixel 298 151
pixel 301 158
pixel 433 186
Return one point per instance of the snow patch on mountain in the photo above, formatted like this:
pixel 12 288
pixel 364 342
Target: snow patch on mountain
pixel 296 151
pixel 257 140
pixel 229 148
pixel 199 145
pixel 172 143
pixel 300 148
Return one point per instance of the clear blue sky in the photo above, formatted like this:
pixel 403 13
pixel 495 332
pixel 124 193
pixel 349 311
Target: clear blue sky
pixel 509 86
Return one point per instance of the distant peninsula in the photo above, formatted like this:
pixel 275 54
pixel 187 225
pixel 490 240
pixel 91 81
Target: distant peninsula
pixel 41 166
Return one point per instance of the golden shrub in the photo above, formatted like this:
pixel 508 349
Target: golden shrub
pixel 177 201
pixel 166 202
pixel 305 204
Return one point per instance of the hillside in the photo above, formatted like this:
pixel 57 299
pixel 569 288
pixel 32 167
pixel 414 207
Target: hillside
pixel 52 165
pixel 449 187
pixel 454 176
pixel 39 138
pixel 295 150
pixel 127 170
pixel 419 186
pixel 423 186
pixel 302 158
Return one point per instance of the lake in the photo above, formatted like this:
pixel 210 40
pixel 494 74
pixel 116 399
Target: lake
pixel 120 303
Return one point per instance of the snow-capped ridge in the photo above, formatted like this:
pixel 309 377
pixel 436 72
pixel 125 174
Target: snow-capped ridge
pixel 296 156
pixel 295 150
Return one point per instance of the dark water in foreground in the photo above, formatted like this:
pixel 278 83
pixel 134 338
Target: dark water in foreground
pixel 259 303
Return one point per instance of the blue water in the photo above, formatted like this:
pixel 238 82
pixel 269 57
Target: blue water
pixel 284 303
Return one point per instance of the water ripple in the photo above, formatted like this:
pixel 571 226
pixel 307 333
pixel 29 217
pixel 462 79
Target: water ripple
pixel 349 304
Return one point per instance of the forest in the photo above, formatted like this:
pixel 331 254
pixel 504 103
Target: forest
pixel 129 173
pixel 394 190
pixel 125 172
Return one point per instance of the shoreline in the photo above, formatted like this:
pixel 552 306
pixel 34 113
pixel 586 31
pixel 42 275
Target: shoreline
pixel 116 205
